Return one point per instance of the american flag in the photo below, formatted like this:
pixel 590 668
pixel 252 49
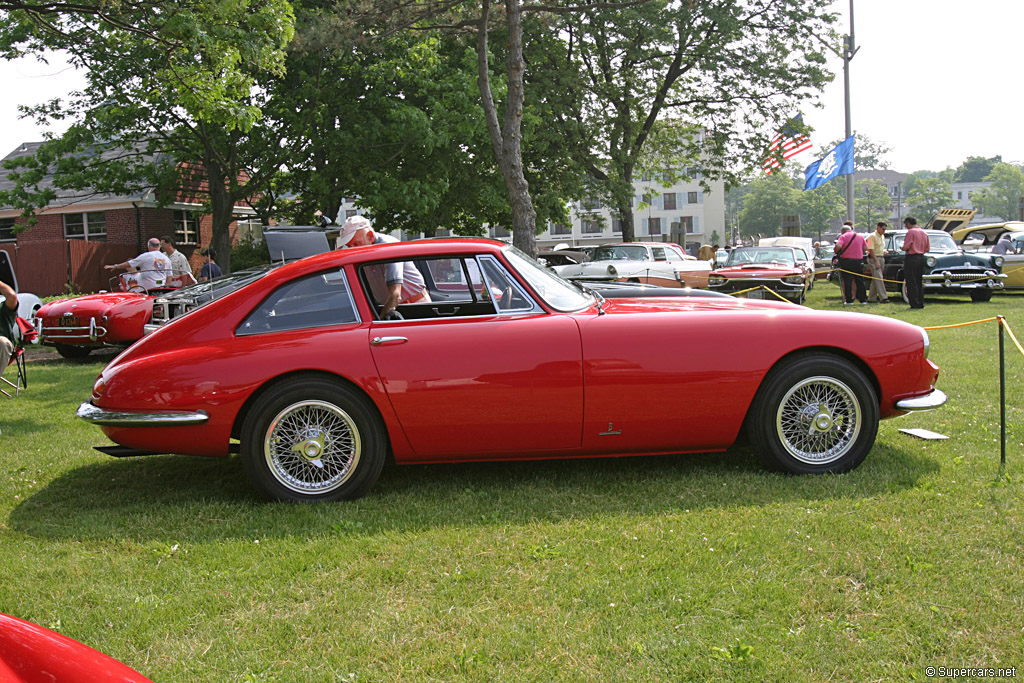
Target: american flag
pixel 791 142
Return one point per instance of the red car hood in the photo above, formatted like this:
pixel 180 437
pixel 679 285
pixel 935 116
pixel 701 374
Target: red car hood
pixel 91 303
pixel 663 304
pixel 757 270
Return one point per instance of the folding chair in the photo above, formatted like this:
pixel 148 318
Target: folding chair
pixel 25 334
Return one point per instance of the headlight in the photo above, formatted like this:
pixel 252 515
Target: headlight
pixel 997 261
pixel 926 340
pixel 716 280
pixel 793 279
pixel 612 271
pixel 931 261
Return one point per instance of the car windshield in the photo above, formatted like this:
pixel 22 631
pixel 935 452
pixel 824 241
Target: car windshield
pixel 619 253
pixel 941 242
pixel 747 255
pixel 556 292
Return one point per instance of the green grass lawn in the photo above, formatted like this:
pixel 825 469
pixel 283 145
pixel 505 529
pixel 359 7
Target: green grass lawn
pixel 686 568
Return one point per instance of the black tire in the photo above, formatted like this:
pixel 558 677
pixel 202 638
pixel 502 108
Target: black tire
pixel 72 352
pixel 814 413
pixel 981 295
pixel 313 440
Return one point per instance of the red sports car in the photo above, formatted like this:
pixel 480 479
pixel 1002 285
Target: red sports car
pixel 116 318
pixel 33 654
pixel 506 361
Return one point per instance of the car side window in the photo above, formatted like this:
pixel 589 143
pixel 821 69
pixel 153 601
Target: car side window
pixel 508 296
pixel 659 253
pixel 313 301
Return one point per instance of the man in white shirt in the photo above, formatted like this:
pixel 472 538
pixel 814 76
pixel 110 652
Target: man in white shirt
pixel 181 269
pixel 152 266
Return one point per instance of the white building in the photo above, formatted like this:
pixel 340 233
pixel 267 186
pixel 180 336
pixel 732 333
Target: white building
pixel 680 212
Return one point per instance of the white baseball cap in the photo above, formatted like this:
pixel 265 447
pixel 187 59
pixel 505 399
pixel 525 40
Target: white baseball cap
pixel 351 226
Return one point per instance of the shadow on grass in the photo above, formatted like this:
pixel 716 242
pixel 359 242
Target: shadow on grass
pixel 178 498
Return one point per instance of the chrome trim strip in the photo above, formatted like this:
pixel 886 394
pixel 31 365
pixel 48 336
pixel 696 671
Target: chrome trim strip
pixel 123 418
pixel 927 402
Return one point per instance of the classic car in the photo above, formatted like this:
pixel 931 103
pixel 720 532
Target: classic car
pixel 30 653
pixel 781 269
pixel 804 247
pixel 948 269
pixel 981 238
pixel 78 325
pixel 561 257
pixel 300 374
pixel 657 263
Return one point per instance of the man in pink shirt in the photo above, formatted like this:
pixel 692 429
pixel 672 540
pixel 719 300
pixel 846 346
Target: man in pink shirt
pixel 850 248
pixel 916 245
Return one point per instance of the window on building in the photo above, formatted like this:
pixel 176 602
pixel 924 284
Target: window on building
pixel 691 197
pixel 500 232
pixel 647 199
pixel 617 225
pixel 7 230
pixel 351 212
pixel 686 224
pixel 561 229
pixel 91 226
pixel 591 204
pixel 669 199
pixel 186 227
pixel 960 195
pixel 653 226
pixel 591 227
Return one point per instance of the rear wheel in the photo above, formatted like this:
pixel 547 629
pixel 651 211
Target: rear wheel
pixel 813 414
pixel 72 352
pixel 981 295
pixel 316 440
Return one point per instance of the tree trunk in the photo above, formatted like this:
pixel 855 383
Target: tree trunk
pixel 507 140
pixel 222 210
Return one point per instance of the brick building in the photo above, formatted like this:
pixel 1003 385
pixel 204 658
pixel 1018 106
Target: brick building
pixel 78 232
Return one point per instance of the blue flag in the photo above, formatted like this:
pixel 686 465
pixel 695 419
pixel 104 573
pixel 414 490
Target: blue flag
pixel 836 163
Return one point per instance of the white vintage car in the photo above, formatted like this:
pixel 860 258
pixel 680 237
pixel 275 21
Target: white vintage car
pixel 656 263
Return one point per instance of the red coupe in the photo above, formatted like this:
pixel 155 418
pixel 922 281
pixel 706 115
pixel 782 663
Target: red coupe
pixel 299 373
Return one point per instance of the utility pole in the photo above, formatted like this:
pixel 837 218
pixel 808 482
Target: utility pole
pixel 849 50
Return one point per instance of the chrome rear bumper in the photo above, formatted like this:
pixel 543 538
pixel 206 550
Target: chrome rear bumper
pixel 125 418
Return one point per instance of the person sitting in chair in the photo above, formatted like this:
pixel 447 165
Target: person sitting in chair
pixel 8 315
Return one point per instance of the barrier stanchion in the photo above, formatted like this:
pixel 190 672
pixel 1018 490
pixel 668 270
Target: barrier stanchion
pixel 1004 328
pixel 1002 395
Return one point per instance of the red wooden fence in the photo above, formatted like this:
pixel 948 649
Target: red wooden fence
pixel 47 268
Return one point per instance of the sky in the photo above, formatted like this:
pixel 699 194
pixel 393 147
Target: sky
pixel 937 81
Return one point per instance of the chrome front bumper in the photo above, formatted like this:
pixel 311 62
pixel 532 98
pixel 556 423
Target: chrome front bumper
pixel 126 418
pixel 927 402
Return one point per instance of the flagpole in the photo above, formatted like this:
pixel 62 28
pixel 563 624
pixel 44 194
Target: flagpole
pixel 849 50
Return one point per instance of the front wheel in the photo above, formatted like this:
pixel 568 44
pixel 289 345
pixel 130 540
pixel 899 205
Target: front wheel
pixel 813 414
pixel 316 440
pixel 981 295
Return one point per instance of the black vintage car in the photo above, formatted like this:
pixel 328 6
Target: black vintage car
pixel 947 268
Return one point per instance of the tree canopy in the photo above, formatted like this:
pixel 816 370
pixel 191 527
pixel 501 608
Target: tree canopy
pixel 1002 197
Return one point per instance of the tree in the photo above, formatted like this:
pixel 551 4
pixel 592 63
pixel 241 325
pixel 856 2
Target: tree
pixel 975 169
pixel 928 195
pixel 820 206
pixel 679 89
pixel 770 199
pixel 868 155
pixel 873 203
pixel 1002 197
pixel 162 104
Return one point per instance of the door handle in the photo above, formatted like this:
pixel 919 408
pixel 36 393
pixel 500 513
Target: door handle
pixel 381 341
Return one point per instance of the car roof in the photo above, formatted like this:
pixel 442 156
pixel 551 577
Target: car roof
pixel 991 231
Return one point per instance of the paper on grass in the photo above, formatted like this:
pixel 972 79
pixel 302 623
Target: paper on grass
pixel 924 434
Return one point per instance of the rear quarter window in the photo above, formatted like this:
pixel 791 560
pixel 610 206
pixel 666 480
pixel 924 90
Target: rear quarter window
pixel 313 301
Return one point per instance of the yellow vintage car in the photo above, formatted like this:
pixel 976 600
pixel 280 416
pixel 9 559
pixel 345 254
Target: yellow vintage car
pixel 981 238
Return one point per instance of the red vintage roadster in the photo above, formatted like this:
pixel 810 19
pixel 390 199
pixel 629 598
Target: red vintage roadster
pixel 78 325
pixel 299 373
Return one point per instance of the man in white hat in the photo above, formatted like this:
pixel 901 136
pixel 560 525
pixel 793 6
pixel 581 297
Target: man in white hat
pixel 395 283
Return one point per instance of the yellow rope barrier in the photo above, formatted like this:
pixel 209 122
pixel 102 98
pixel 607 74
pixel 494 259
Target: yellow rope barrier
pixel 975 322
pixel 1006 326
pixel 1000 319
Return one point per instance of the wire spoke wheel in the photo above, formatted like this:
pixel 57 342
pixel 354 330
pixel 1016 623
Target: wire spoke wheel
pixel 818 420
pixel 312 447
